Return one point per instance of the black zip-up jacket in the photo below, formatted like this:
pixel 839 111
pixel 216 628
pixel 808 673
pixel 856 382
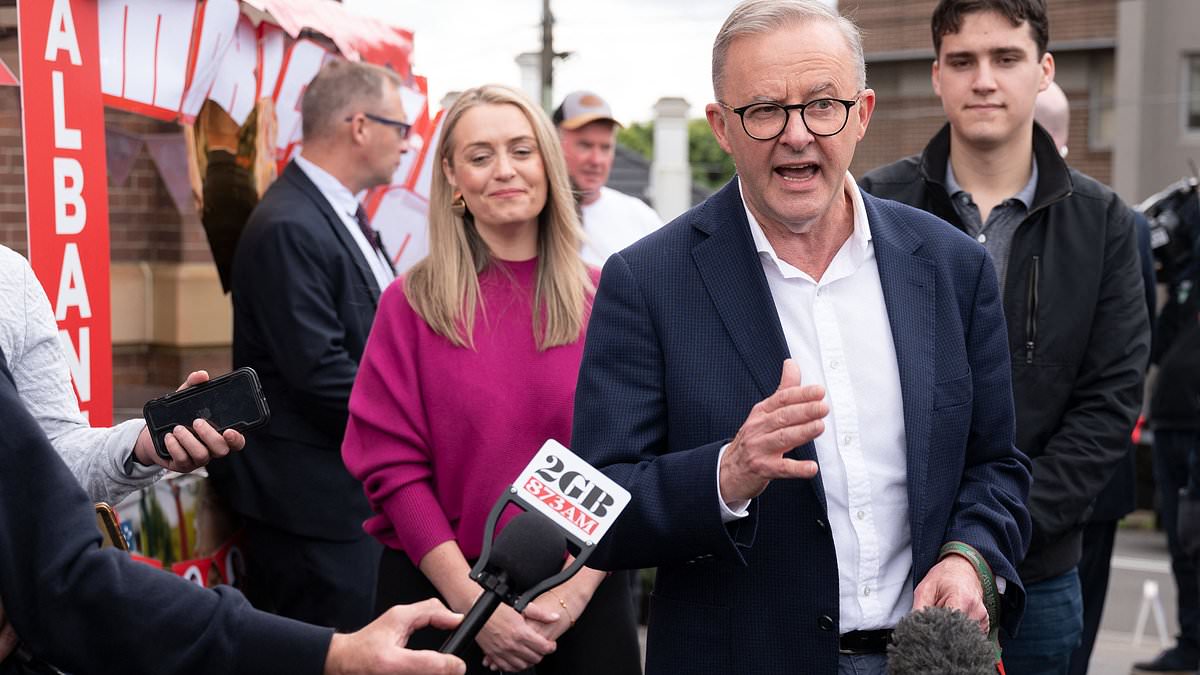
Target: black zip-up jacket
pixel 1078 334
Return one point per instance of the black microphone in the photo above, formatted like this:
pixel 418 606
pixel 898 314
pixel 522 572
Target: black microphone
pixel 528 551
pixel 940 640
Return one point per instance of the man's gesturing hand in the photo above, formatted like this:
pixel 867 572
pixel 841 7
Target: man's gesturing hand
pixel 790 417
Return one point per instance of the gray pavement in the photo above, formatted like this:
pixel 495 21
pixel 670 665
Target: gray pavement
pixel 1140 555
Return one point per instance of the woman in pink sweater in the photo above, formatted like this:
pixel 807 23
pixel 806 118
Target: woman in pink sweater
pixel 462 381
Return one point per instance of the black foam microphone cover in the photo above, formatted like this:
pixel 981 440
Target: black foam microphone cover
pixel 940 640
pixel 529 550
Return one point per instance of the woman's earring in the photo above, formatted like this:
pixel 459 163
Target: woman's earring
pixel 459 205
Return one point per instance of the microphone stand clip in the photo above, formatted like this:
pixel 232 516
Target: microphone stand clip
pixel 499 583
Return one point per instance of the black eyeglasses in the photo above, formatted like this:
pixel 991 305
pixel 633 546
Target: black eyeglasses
pixel 822 117
pixel 402 128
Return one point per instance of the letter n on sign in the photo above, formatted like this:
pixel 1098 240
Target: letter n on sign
pixel 66 191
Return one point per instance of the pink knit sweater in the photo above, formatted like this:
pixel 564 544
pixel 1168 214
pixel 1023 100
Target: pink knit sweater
pixel 437 432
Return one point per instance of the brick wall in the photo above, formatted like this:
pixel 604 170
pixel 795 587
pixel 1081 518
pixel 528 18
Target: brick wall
pixel 897 25
pixel 891 25
pixel 12 171
pixel 143 372
pixel 1096 163
pixel 901 126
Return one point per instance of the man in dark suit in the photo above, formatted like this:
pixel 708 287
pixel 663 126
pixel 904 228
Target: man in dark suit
pixel 306 280
pixel 89 610
pixel 897 387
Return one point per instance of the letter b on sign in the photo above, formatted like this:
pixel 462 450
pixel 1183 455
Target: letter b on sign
pixel 70 211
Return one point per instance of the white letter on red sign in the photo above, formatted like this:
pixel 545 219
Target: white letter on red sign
pixel 79 362
pixel 64 138
pixel 68 194
pixel 62 33
pixel 72 289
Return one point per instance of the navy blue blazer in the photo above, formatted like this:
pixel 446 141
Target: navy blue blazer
pixel 684 340
pixel 304 299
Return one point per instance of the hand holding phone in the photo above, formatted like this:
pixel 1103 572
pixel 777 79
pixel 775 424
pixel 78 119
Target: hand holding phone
pixel 231 401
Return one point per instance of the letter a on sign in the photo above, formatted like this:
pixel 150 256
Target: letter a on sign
pixel 66 196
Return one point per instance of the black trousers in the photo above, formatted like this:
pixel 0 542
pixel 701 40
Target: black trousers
pixel 319 581
pixel 603 640
pixel 1171 452
pixel 1094 569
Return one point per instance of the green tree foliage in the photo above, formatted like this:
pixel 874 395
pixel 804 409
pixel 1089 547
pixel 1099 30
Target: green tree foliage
pixel 711 167
pixel 638 136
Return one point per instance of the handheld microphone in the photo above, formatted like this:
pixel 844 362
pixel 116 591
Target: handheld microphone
pixel 940 640
pixel 565 501
pixel 526 552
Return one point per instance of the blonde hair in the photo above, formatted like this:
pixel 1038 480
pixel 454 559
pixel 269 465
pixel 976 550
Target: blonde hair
pixel 444 286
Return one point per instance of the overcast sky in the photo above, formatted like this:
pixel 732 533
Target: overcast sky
pixel 631 52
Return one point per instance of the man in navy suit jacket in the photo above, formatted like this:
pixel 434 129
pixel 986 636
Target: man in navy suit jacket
pixel 307 276
pixel 897 387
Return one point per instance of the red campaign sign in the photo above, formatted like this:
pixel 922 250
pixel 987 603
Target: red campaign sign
pixel 66 195
pixel 395 53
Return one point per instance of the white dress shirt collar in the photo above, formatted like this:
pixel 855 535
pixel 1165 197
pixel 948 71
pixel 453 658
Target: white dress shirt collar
pixel 859 241
pixel 346 205
pixel 335 192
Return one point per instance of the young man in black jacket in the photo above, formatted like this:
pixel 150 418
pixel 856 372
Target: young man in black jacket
pixel 1065 252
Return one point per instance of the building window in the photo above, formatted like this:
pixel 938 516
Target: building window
pixel 1191 94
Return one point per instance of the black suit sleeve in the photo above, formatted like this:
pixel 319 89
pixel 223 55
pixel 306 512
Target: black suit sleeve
pixel 89 610
pixel 286 283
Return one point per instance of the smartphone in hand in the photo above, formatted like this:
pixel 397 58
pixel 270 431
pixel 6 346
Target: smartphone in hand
pixel 231 401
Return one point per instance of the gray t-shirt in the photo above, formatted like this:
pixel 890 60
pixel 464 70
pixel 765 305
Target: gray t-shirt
pixel 997 233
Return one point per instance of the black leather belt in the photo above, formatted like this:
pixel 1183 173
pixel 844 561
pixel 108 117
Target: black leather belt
pixel 865 641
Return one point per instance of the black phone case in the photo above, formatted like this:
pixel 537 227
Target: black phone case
pixel 231 401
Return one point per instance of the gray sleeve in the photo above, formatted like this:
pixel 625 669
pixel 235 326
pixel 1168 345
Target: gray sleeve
pixel 29 338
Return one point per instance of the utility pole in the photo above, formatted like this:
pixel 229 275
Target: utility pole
pixel 547 57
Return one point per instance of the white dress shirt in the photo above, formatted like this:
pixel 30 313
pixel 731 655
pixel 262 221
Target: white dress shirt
pixel 345 204
pixel 837 331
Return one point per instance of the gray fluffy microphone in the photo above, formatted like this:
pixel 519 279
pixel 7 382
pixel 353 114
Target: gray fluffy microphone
pixel 942 641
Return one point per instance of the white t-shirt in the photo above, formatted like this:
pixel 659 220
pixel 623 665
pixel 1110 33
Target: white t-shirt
pixel 612 222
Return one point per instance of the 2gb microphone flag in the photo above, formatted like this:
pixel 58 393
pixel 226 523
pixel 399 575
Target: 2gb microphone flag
pixel 574 495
